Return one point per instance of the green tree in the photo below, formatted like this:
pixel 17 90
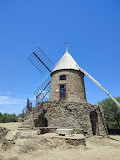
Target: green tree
pixel 14 117
pixel 21 115
pixel 8 118
pixel 111 113
pixel 1 118
pixel 5 117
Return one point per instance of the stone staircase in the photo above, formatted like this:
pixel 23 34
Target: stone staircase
pixel 28 123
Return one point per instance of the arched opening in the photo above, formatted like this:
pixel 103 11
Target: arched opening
pixel 41 121
pixel 94 122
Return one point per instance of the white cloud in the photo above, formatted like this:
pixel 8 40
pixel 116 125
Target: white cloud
pixel 8 100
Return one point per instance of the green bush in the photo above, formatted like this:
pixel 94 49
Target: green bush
pixel 111 113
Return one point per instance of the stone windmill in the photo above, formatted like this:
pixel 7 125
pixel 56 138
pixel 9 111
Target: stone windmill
pixel 67 106
pixel 67 81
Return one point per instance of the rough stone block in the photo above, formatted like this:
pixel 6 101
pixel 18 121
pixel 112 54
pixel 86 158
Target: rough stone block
pixel 64 131
pixel 12 135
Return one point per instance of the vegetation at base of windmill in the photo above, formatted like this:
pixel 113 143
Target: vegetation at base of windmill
pixel 111 113
pixel 4 118
pixel 46 115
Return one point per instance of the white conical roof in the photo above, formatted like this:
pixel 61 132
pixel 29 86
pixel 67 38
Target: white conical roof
pixel 66 62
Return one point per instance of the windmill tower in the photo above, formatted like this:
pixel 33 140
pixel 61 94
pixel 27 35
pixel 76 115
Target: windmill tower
pixel 67 81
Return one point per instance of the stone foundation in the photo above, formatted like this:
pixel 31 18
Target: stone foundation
pixel 71 115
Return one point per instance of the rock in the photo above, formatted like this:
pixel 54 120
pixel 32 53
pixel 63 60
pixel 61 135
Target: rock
pixel 12 135
pixel 27 146
pixel 3 132
pixel 7 145
pixel 64 131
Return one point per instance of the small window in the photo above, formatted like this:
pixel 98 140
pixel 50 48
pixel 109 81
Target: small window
pixel 63 77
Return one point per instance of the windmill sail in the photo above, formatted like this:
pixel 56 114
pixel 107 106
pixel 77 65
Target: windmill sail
pixel 42 90
pixel 39 59
pixel 99 86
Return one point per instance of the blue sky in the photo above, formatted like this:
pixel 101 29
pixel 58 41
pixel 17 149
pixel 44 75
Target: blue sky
pixel 92 28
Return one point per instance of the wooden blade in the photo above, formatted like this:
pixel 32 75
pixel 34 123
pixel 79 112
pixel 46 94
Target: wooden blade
pixel 39 59
pixel 42 90
pixel 96 82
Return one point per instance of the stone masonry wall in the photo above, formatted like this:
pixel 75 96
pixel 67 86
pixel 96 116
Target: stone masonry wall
pixel 73 115
pixel 75 89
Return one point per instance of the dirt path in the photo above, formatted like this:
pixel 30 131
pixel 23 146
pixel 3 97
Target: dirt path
pixel 12 125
